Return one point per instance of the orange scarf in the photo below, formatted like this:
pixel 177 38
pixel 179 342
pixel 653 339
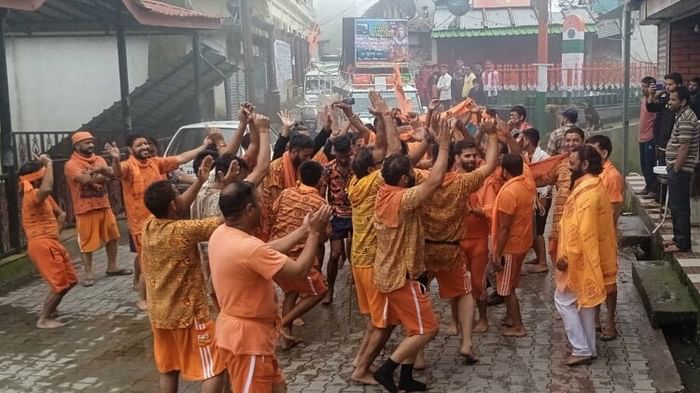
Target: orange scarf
pixel 26 181
pixel 541 168
pixel 90 161
pixel 288 171
pixel 388 205
pixel 138 183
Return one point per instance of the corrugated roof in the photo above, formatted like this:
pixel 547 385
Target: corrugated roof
pixel 162 8
pixel 494 22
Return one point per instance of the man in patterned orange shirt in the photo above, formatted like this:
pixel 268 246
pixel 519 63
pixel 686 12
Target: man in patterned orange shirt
pixel 615 187
pixel 288 213
pixel 183 330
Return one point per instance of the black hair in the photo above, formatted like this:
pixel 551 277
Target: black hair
pixel 460 146
pixel 371 127
pixel 158 197
pixel 503 148
pixel 435 150
pixel 362 162
pixel 131 138
pixel 696 80
pixel 602 141
pixel 235 197
pixel 576 130
pixel 676 77
pixel 649 80
pixel 513 164
pixel 310 172
pixel 532 135
pixel 223 162
pixel 197 162
pixel 571 114
pixel 342 144
pixel 395 166
pixel 590 154
pixel 520 110
pixel 683 94
pixel 30 167
pixel 300 142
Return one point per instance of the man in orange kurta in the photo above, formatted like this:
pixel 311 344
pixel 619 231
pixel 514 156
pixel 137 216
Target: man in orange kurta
pixel 87 175
pixel 442 216
pixel 511 236
pixel 136 174
pixel 615 187
pixel 42 221
pixel 587 243
pixel 288 214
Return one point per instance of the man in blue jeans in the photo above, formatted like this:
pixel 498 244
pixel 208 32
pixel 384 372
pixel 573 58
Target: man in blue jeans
pixel 681 158
pixel 647 147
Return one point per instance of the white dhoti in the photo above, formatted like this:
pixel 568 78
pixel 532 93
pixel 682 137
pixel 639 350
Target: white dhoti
pixel 579 323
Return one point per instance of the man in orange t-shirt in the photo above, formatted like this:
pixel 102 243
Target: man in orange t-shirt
pixel 42 221
pixel 243 268
pixel 87 175
pixel 136 174
pixel 511 236
pixel 615 187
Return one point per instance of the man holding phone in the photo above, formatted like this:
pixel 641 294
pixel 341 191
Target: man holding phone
pixel 657 102
pixel 647 147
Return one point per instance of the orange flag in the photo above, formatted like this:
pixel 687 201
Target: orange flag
pixel 312 38
pixel 404 104
pixel 541 168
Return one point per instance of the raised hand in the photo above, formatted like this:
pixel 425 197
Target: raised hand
pixel 232 173
pixel 113 150
pixel 444 132
pixel 261 121
pixel 286 118
pixel 347 109
pixel 319 219
pixel 488 126
pixel 43 158
pixel 378 104
pixel 433 105
pixel 246 111
pixel 205 168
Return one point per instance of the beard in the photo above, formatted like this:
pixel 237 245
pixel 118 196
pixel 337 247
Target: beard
pixel 575 175
pixel 296 161
pixel 86 152
pixel 411 181
pixel 468 167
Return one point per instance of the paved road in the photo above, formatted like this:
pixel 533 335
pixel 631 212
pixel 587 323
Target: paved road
pixel 106 346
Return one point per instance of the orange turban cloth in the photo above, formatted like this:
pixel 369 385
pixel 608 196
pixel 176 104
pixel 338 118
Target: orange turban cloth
pixel 80 136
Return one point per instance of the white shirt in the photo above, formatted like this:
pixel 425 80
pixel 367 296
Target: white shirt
pixel 538 156
pixel 492 80
pixel 444 85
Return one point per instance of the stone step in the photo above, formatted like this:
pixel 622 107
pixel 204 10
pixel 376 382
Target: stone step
pixel 666 299
pixel 632 232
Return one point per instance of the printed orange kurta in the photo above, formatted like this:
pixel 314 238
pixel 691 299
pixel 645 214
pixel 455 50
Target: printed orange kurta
pixel 560 177
pixel 289 210
pixel 282 175
pixel 363 194
pixel 587 242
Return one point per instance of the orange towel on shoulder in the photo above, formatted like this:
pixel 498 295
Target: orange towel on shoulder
pixel 288 171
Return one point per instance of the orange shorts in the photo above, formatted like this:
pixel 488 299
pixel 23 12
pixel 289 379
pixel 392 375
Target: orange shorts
pixel 252 373
pixel 191 351
pixel 477 251
pixel 96 228
pixel 312 285
pixel 453 282
pixel 369 300
pixel 412 306
pixel 53 262
pixel 508 278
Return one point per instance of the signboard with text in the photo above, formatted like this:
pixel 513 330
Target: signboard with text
pixel 381 43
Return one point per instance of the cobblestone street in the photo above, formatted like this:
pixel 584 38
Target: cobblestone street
pixel 106 346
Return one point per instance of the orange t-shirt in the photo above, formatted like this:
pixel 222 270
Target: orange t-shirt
pixel 38 219
pixel 242 268
pixel 516 198
pixel 475 226
pixel 86 197
pixel 612 180
pixel 151 171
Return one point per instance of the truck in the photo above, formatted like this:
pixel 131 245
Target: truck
pixel 318 81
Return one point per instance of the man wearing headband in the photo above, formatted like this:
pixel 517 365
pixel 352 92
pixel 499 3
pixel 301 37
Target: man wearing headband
pixel 42 220
pixel 88 175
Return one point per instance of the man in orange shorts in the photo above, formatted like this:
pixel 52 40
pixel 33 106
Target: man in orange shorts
pixel 183 330
pixel 87 175
pixel 511 236
pixel 615 187
pixel 243 268
pixel 136 174
pixel 42 221
pixel 442 217
pixel 288 213
pixel 400 252
pixel 475 230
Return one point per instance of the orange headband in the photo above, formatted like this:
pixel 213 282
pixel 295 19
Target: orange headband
pixel 26 180
pixel 81 136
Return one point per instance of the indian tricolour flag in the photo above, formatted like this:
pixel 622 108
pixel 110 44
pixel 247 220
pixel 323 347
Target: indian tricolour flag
pixel 573 46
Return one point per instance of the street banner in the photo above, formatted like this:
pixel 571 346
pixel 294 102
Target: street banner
pixel 381 43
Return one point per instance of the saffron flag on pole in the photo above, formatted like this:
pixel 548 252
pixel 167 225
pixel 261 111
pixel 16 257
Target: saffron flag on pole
pixel 404 104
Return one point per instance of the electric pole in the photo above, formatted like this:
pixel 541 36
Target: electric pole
pixel 247 38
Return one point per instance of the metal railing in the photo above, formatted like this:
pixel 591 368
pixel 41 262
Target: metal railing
pixel 6 246
pixel 28 144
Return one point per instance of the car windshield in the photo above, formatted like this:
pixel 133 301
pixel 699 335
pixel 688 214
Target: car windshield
pixel 362 101
pixel 316 85
pixel 191 138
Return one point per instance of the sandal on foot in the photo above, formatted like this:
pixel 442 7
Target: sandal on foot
pixel 119 272
pixel 87 282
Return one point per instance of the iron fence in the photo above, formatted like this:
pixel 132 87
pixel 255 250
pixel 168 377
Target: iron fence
pixel 29 144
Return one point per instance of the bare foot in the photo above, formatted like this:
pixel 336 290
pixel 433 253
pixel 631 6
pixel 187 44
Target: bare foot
pixel 468 357
pixel 452 329
pixel 49 324
pixel 532 261
pixel 608 334
pixel 288 341
pixel 328 300
pixel 481 326
pixel 55 314
pixel 298 322
pixel 506 321
pixel 365 379
pixel 539 269
pixel 572 360
pixel 142 305
pixel 514 331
